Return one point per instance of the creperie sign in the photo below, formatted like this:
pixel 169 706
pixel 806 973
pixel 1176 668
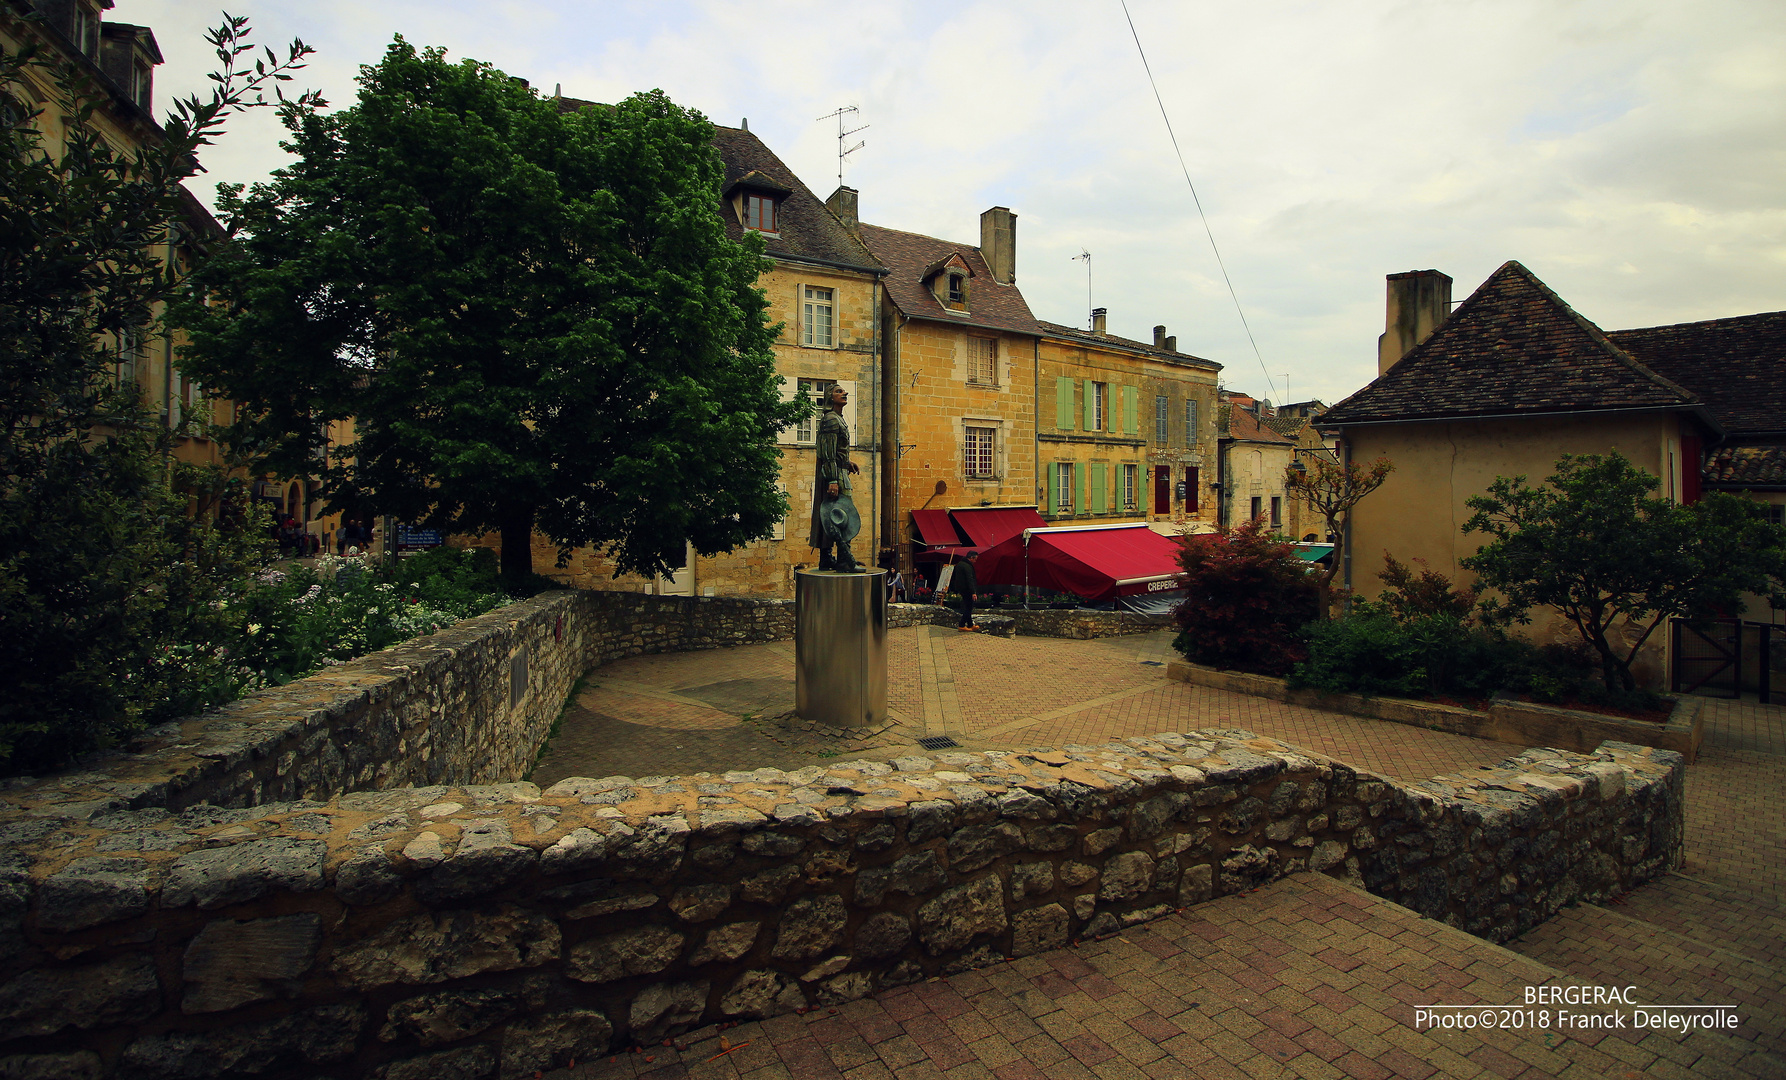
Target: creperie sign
pixel 1163 586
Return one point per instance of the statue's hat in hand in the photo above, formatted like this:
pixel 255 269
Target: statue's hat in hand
pixel 841 518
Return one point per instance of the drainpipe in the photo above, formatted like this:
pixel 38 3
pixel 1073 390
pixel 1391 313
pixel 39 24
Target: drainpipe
pixel 1035 439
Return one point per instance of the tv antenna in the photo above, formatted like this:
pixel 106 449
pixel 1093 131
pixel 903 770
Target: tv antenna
pixel 1086 255
pixel 842 152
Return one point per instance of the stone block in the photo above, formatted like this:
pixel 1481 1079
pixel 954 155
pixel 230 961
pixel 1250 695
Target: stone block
pixel 778 845
pixel 1196 884
pixel 809 927
pixel 576 850
pixel 433 947
pixel 44 1001
pixel 699 903
pixel 543 1043
pixel 319 1036
pixel 232 963
pixel 1101 840
pixel 914 874
pixel 842 988
pixel 79 1065
pixel 976 845
pixel 485 860
pixel 91 891
pixel 475 1062
pixel 368 878
pixel 947 923
pixel 770 886
pixel 1327 854
pixel 1031 879
pixel 1126 876
pixel 215 877
pixel 664 1008
pixel 450 1015
pixel 645 950
pixel 761 993
pixel 727 942
pixel 1038 930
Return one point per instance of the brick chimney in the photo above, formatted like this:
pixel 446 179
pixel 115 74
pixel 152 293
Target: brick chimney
pixel 843 203
pixel 998 244
pixel 1097 320
pixel 1419 301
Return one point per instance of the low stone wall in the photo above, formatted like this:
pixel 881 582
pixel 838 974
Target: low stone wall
pixel 1081 623
pixel 1521 723
pixel 484 931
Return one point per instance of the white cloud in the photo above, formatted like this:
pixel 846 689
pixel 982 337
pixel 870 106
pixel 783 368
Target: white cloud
pixel 1629 153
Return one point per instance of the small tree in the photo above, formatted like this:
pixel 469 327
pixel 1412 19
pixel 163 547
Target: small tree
pixel 1248 597
pixel 1333 490
pixel 1597 546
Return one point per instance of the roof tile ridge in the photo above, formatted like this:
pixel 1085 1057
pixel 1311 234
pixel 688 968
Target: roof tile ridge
pixel 1695 323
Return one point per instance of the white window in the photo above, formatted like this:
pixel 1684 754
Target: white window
pixel 816 321
pixel 982 361
pixel 1190 421
pixel 1063 486
pixel 978 452
pixel 1100 400
pixel 759 213
pixel 130 353
pixel 813 390
pixel 1159 419
pixel 1129 478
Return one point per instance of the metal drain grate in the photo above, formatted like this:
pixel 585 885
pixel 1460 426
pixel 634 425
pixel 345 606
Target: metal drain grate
pixel 937 742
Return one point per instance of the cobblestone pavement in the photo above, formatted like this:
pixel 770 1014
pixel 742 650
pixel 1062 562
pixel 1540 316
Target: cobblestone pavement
pixel 1715 933
pixel 1306 978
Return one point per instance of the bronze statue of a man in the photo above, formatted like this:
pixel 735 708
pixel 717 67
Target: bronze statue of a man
pixel 834 519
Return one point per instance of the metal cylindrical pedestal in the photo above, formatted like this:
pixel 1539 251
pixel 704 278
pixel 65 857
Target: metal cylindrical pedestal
pixel 840 647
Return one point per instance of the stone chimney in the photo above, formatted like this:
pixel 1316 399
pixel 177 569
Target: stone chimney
pixel 1097 320
pixel 1419 301
pixel 843 203
pixel 1159 337
pixel 998 244
pixel 1171 344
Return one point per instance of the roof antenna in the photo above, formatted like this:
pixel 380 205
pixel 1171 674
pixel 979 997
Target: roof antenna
pixel 842 134
pixel 1086 255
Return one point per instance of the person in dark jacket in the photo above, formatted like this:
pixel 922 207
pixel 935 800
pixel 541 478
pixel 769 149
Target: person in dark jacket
pixel 963 582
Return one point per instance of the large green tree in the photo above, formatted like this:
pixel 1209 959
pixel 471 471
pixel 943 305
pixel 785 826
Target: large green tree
pixel 109 590
pixel 534 317
pixel 1597 545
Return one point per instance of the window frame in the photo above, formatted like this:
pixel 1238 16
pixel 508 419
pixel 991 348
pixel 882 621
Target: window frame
pixel 1162 411
pixel 1130 475
pixel 1277 511
pixel 806 432
pixel 1190 421
pixel 975 376
pixel 1100 408
pixel 809 320
pixel 1063 489
pixel 754 202
pixel 956 290
pixel 972 453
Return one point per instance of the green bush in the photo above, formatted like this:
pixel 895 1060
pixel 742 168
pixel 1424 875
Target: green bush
pixel 1247 600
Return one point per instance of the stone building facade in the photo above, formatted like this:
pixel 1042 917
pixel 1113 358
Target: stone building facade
pixel 1254 460
pixel 959 377
pixel 1126 429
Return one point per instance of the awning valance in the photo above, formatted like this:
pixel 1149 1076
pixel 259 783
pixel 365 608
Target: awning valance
pixel 1094 563
pixel 934 528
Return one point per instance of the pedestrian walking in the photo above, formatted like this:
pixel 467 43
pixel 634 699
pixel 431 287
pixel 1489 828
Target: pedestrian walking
pixel 964 583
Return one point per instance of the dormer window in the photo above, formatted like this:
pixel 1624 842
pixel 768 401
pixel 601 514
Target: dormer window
pixel 86 30
pixel 957 289
pixel 759 212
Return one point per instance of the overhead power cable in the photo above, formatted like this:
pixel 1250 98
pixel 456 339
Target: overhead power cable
pixel 1199 202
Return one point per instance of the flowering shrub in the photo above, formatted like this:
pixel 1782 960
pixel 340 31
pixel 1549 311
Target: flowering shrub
pixel 1247 600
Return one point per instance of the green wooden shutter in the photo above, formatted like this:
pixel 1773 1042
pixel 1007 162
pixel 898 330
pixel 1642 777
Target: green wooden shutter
pixel 1053 486
pixel 1131 410
pixel 1063 403
pixel 1078 490
pixel 1098 505
pixel 1091 406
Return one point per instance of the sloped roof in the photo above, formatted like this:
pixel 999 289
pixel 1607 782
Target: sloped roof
pixel 1746 467
pixel 908 255
pixel 1234 422
pixel 806 228
pixel 1086 337
pixel 1288 426
pixel 1513 348
pixel 1737 366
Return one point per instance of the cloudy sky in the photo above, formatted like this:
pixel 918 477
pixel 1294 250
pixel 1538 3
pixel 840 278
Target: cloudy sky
pixel 1631 153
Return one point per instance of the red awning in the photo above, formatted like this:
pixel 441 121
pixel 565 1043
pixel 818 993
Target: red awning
pixel 1093 563
pixel 989 525
pixel 935 528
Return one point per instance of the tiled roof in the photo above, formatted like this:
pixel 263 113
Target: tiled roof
pixel 1746 466
pixel 1737 366
pixel 805 227
pixel 1233 422
pixel 1513 348
pixel 907 255
pixel 1287 426
pixel 1086 337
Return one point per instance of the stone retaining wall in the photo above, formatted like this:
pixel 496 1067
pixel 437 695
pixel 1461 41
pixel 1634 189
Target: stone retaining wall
pixel 500 930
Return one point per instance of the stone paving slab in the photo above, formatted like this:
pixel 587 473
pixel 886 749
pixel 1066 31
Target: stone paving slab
pixel 1307 977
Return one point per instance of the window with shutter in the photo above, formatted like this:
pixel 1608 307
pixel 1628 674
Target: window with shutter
pixel 1063 403
pixel 1160 403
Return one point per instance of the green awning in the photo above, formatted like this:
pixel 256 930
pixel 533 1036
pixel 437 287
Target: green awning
pixel 1313 552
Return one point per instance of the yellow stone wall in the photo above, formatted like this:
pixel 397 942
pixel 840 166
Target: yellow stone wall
pixel 937 403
